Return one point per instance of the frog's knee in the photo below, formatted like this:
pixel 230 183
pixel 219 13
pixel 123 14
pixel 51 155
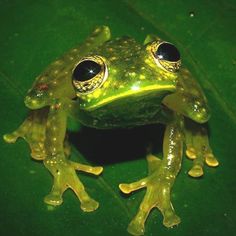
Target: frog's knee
pixel 103 31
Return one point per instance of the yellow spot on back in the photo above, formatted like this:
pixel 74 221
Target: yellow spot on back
pixel 142 77
pixel 132 74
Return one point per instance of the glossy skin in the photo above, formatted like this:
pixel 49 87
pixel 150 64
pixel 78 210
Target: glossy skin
pixel 136 92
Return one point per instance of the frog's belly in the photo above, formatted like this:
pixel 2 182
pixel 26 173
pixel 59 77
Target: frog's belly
pixel 127 113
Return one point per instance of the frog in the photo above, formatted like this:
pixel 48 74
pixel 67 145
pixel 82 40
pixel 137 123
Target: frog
pixel 119 83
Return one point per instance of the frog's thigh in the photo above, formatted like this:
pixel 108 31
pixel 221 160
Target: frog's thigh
pixel 161 177
pixel 100 35
pixel 198 148
pixel 62 169
pixel 33 131
pixel 150 38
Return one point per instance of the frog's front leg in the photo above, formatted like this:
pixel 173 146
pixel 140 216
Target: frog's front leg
pixel 159 182
pixel 198 148
pixel 33 131
pixel 62 169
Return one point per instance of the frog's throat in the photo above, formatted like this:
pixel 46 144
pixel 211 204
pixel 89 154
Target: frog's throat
pixel 134 91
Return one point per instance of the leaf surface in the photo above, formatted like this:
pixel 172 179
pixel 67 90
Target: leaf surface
pixel 34 33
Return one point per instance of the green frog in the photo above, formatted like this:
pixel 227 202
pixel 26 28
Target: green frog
pixel 108 84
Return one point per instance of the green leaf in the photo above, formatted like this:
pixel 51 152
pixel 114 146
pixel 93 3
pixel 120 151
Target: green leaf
pixel 34 33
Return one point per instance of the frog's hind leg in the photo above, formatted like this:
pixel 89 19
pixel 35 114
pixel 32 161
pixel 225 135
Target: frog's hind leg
pixel 159 182
pixel 33 131
pixel 198 148
pixel 156 196
pixel 62 169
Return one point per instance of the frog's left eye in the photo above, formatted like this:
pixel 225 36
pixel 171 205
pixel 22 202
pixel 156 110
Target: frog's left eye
pixel 89 74
pixel 166 55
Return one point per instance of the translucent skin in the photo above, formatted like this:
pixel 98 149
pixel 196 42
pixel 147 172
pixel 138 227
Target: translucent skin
pixel 136 92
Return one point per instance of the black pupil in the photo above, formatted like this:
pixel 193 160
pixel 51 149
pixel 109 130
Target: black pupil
pixel 168 52
pixel 86 70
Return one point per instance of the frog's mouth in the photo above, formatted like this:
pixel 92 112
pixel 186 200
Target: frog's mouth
pixel 135 91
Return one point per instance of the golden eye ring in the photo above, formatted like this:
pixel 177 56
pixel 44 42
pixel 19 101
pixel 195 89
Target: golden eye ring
pixel 166 55
pixel 89 74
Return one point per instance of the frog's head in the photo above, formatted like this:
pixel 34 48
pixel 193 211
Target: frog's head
pixel 50 85
pixel 121 73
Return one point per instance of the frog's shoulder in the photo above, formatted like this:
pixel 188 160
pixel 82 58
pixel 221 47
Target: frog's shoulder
pixel 188 84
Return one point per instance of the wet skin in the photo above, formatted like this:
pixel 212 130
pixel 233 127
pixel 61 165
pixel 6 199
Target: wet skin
pixel 118 83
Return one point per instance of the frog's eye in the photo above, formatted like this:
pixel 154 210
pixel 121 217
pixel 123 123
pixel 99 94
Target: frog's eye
pixel 89 74
pixel 166 55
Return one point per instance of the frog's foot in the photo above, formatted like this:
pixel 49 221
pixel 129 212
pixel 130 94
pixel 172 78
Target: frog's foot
pixel 20 132
pixel 33 131
pixel 198 148
pixel 157 195
pixel 36 143
pixel 64 173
